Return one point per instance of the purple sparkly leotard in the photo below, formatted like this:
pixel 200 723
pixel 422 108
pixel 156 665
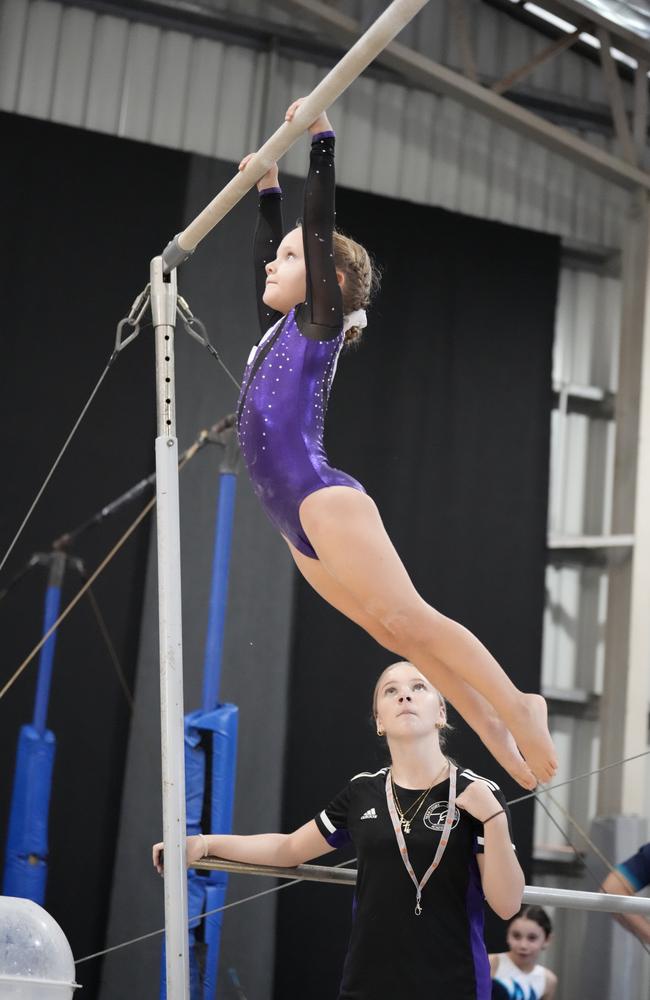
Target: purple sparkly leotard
pixel 287 381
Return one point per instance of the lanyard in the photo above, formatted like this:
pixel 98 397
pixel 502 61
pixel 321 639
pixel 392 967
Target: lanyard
pixel 444 836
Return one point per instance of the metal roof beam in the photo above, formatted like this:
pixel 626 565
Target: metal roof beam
pixel 552 50
pixel 419 71
pixel 616 99
pixel 575 11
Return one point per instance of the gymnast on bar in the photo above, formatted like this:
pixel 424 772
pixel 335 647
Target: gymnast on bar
pixel 432 839
pixel 313 286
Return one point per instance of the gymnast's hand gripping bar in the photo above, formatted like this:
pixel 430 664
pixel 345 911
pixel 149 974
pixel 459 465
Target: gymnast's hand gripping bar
pixel 533 895
pixel 353 63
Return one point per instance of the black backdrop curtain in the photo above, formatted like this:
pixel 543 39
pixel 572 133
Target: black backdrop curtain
pixel 444 415
pixel 81 214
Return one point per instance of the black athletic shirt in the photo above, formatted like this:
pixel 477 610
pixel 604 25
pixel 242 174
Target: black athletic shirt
pixel 394 954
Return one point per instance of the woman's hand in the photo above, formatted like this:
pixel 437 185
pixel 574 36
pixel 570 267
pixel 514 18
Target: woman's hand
pixel 322 123
pixel 194 851
pixel 270 178
pixel 479 801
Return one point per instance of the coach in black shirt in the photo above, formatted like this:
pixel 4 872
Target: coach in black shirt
pixel 432 841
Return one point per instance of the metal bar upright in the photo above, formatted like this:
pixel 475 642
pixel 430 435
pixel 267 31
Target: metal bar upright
pixel 219 591
pixel 46 659
pixel 228 468
pixel 163 310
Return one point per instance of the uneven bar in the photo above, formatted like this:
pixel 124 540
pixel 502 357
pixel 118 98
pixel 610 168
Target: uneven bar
pixel 537 895
pixel 353 63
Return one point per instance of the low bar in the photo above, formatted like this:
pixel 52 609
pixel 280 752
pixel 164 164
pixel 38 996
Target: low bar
pixel 533 894
pixel 308 873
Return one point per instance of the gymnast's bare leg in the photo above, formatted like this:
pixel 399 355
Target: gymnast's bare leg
pixel 477 712
pixel 356 555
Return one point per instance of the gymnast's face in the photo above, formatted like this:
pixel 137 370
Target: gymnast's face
pixel 406 704
pixel 286 282
pixel 526 939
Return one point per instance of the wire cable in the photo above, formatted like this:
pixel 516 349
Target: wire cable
pixel 75 600
pixel 599 854
pixel 590 842
pixel 187 456
pixel 285 885
pixel 57 460
pixel 201 916
pixel 122 339
pixel 569 842
pixel 110 648
pixel 587 774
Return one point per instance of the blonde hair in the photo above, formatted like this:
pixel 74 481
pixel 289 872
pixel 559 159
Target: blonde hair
pixel 445 728
pixel 361 278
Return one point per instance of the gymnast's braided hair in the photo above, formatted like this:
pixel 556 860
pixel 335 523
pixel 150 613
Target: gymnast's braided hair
pixel 361 279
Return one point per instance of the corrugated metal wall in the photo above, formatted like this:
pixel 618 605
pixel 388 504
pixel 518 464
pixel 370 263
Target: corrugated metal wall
pixel 582 468
pixel 499 43
pixel 136 80
pixel 582 455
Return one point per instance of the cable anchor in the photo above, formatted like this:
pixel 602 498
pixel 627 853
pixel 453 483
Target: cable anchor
pixel 131 321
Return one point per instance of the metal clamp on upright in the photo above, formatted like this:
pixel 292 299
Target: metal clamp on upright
pixel 163 312
pixel 174 254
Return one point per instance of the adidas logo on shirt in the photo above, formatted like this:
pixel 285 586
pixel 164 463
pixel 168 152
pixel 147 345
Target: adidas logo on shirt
pixel 370 814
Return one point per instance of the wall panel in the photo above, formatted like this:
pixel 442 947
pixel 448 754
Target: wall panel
pixel 176 89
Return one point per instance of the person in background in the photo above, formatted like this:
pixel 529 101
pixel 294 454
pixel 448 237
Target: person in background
pixel 517 973
pixel 629 878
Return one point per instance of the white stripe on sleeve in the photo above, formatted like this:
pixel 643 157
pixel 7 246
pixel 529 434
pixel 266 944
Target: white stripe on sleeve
pixel 473 776
pixel 327 822
pixel 369 774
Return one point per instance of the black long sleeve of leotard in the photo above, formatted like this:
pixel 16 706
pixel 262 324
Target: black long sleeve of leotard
pixel 267 239
pixel 321 315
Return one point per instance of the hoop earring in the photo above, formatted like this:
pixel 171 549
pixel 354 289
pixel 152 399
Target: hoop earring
pixel 380 732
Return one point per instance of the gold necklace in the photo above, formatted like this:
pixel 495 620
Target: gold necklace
pixel 404 818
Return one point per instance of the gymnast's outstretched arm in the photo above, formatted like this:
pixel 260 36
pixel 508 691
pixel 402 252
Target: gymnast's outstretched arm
pixel 268 236
pixel 286 850
pixel 321 315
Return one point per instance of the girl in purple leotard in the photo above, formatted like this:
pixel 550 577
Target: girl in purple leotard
pixel 286 385
pixel 313 284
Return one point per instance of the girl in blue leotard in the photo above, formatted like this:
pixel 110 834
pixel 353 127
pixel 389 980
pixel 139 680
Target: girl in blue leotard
pixel 313 284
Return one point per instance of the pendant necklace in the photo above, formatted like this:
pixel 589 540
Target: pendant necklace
pixel 444 836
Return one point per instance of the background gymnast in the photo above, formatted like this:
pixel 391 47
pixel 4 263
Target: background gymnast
pixel 312 286
pixel 517 974
pixel 416 933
